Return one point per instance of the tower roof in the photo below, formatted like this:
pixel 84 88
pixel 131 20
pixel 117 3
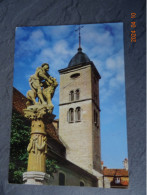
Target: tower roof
pixel 79 58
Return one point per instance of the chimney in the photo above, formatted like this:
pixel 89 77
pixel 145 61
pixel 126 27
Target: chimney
pixel 102 163
pixel 125 163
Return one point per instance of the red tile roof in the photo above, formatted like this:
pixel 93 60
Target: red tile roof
pixel 50 129
pixel 124 183
pixel 19 103
pixel 115 172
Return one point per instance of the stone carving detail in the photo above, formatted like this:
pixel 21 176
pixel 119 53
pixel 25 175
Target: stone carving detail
pixel 42 87
pixel 34 145
pixel 37 111
pixel 37 149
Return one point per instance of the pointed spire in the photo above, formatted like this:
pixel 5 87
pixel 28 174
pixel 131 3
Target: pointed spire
pixel 78 29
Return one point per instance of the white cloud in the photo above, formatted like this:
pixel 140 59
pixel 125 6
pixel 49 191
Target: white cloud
pixel 117 80
pixel 55 59
pixel 111 64
pixel 61 48
pixel 113 83
pixel 56 32
pixel 120 77
pixel 37 39
pixel 114 71
pixel 35 42
pixel 105 94
pixel 92 37
pixel 116 61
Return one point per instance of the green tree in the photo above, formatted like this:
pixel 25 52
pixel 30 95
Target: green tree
pixel 51 167
pixel 20 136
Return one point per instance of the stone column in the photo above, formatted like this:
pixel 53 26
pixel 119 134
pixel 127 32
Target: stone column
pixel 37 148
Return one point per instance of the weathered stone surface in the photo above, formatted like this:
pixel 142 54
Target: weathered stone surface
pixel 42 86
pixel 80 136
pixel 36 178
pixel 37 147
pixel 38 111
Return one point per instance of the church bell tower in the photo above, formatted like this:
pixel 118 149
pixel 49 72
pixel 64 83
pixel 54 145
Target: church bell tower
pixel 79 112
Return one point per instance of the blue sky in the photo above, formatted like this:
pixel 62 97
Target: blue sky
pixel 103 43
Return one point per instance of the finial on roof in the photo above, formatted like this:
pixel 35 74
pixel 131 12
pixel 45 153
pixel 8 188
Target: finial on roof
pixel 78 29
pixel 79 57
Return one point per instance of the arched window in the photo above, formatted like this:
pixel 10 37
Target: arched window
pixel 78 114
pixel 77 93
pixel 71 115
pixel 81 183
pixel 61 179
pixel 71 95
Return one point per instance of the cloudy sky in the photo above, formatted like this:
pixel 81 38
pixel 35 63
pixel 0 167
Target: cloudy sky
pixel 103 43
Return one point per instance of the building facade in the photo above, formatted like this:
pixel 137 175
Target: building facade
pixel 79 113
pixel 116 178
pixel 68 173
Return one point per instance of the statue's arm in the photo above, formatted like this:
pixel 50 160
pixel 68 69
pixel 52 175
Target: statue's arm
pixel 41 74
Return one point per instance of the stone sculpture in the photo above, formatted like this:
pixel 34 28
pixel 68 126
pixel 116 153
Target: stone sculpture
pixel 42 87
pixel 39 112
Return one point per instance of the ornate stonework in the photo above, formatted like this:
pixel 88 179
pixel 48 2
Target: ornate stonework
pixel 37 149
pixel 37 111
pixel 42 87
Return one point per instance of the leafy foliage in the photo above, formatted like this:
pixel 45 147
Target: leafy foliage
pixel 51 167
pixel 20 136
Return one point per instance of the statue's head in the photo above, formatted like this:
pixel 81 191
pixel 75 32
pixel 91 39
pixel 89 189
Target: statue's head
pixel 45 66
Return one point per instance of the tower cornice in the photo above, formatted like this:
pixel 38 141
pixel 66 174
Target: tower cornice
pixel 79 66
pixel 77 101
